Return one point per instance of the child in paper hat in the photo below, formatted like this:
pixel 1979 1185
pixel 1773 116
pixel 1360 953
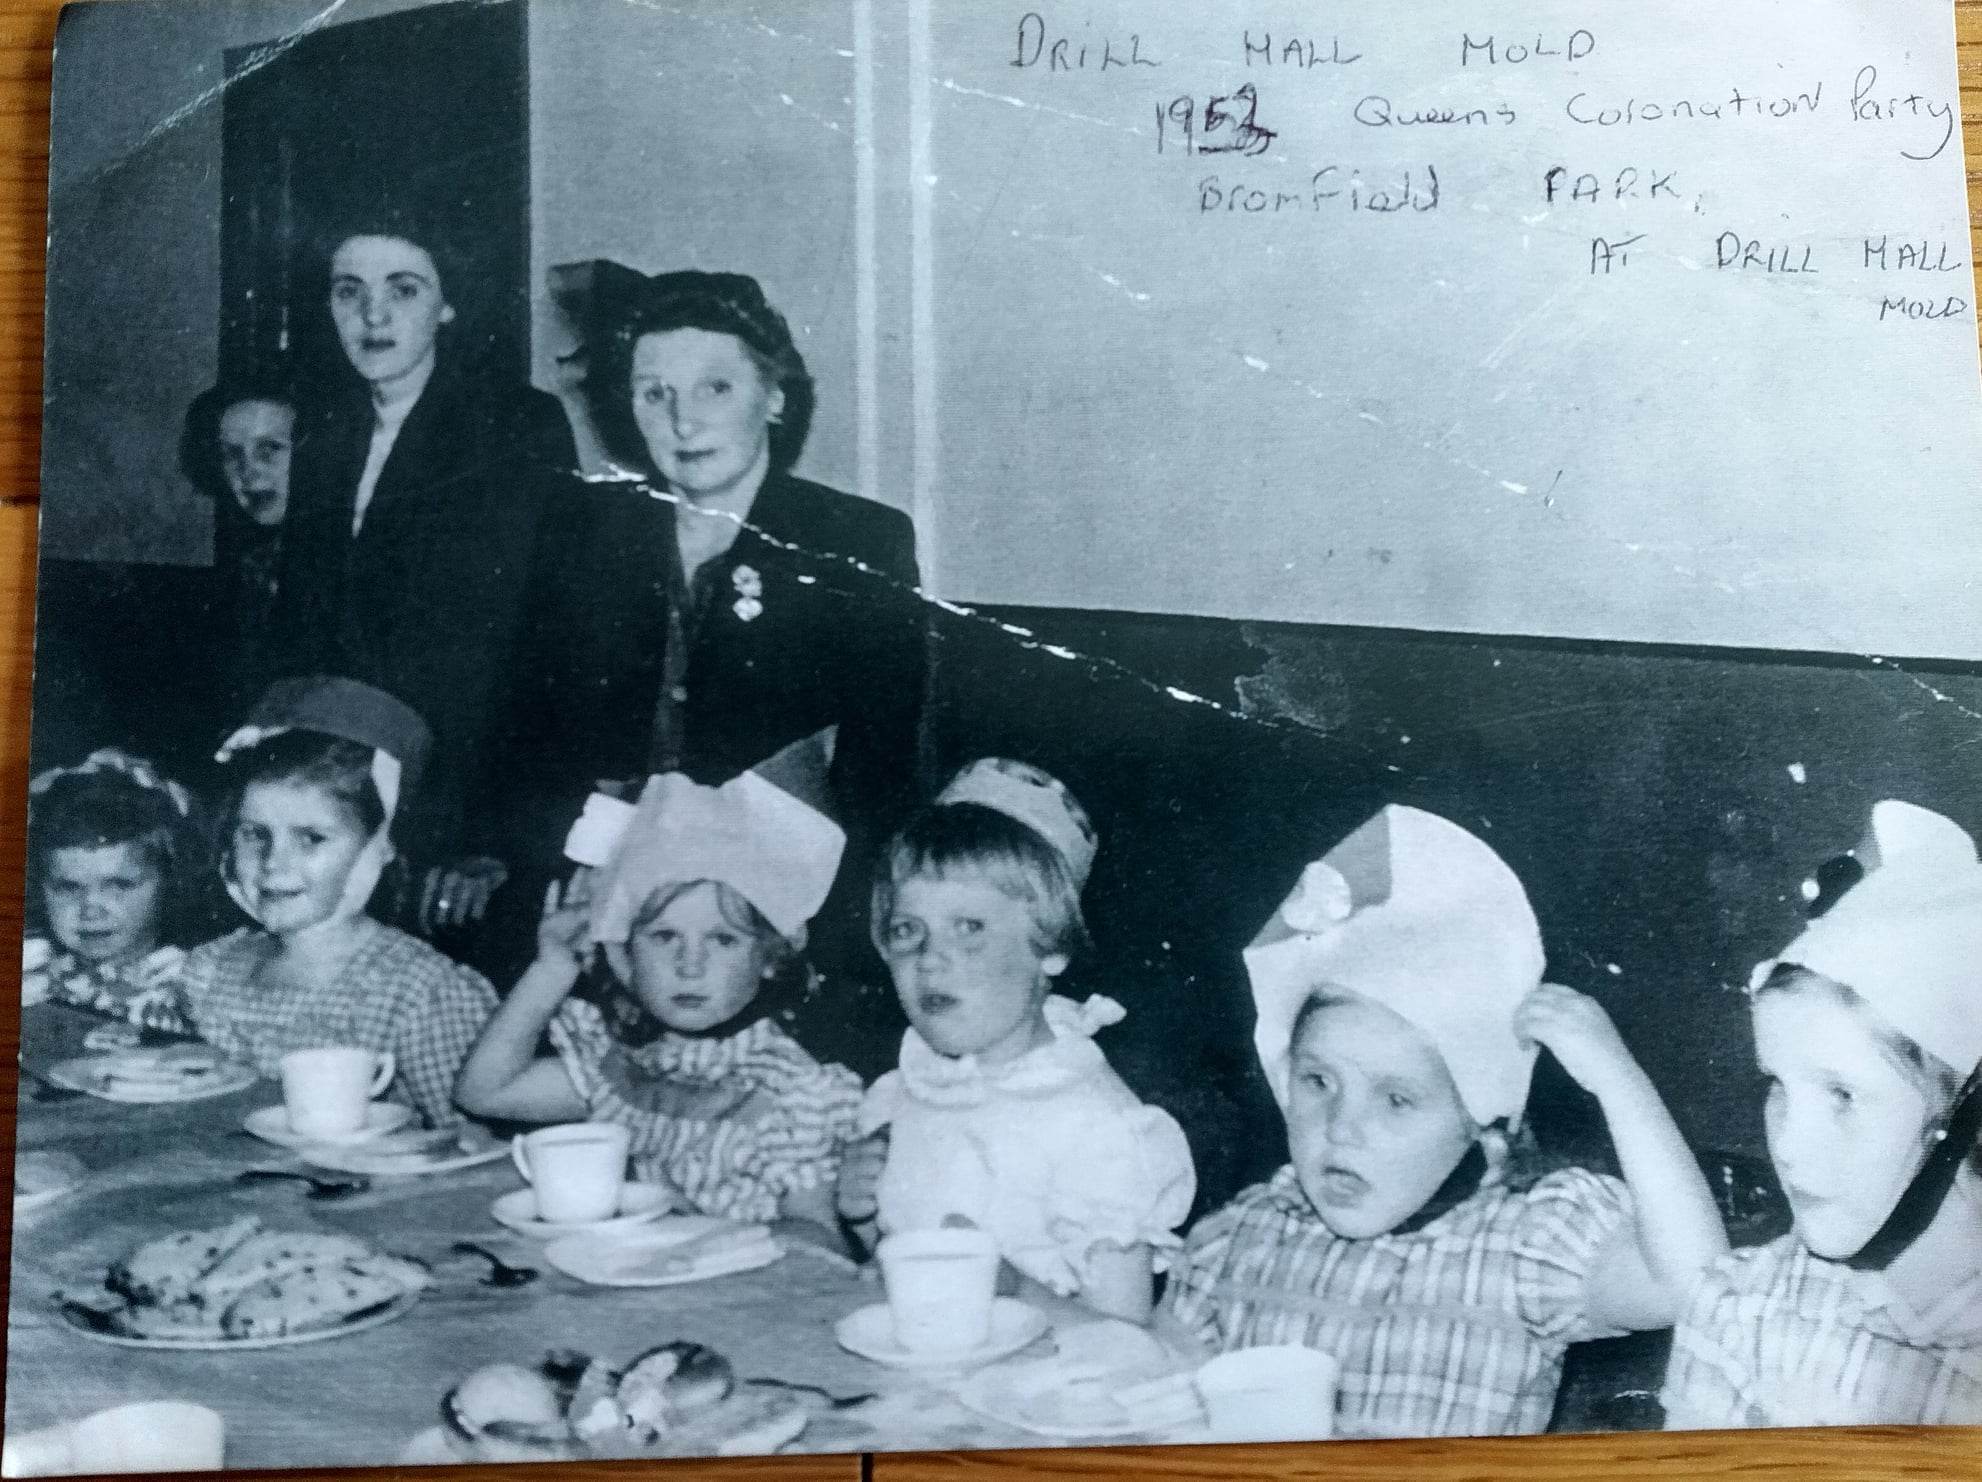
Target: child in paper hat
pixel 1868 1028
pixel 1004 1114
pixel 699 908
pixel 1400 1006
pixel 110 865
pixel 316 777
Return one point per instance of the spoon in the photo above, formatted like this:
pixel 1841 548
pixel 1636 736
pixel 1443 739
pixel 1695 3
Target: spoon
pixel 501 1273
pixel 833 1401
pixel 320 1188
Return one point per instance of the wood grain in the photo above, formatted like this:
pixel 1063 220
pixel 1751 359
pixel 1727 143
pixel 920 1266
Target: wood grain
pixel 27 30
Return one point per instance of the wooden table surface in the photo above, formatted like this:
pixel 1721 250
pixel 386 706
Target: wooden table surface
pixel 27 29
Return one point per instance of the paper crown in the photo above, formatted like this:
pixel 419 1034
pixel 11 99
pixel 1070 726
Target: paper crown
pixel 345 708
pixel 1415 914
pixel 760 837
pixel 1907 938
pixel 1037 799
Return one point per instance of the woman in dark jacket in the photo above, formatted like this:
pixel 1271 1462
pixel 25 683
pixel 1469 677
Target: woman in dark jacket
pixel 716 608
pixel 416 494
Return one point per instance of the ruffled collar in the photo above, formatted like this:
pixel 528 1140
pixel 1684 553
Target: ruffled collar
pixel 691 1060
pixel 1070 1057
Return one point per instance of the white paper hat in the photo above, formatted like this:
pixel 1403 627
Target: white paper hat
pixel 1413 913
pixel 1037 799
pixel 1907 938
pixel 776 851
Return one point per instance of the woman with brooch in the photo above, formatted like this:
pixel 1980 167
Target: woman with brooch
pixel 719 608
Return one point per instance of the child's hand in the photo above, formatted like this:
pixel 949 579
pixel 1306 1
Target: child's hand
pixel 857 1196
pixel 564 931
pixel 1574 1028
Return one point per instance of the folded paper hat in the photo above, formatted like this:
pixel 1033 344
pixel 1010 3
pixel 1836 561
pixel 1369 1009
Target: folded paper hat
pixel 1413 913
pixel 1907 938
pixel 1037 799
pixel 345 708
pixel 759 837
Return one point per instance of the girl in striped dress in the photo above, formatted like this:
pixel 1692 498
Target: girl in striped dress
pixel 1868 1032
pixel 699 915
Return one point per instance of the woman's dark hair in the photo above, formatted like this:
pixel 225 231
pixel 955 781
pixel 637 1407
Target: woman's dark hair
pixel 199 434
pixel 948 839
pixel 720 303
pixel 102 809
pixel 339 768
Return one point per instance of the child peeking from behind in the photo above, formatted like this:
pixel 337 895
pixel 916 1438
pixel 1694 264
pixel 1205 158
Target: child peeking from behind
pixel 699 911
pixel 1400 1005
pixel 1868 1030
pixel 1004 1114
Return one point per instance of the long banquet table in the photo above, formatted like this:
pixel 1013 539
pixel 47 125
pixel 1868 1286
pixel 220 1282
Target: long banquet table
pixel 359 1399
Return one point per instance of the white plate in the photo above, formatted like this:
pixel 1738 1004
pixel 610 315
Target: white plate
pixel 870 1332
pixel 271 1124
pixel 397 1308
pixel 92 1075
pixel 640 1257
pixel 639 1204
pixel 382 1157
pixel 1049 1398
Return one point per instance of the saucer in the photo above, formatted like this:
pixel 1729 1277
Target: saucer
pixel 271 1124
pixel 638 1203
pixel 870 1332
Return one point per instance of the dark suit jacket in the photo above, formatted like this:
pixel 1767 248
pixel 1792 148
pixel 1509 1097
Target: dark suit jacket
pixel 426 601
pixel 839 641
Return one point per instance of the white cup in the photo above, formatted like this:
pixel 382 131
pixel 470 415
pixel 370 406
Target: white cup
pixel 1281 1392
pixel 327 1090
pixel 158 1436
pixel 576 1168
pixel 940 1288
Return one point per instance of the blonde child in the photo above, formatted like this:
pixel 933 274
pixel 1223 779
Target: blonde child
pixel 316 777
pixel 701 914
pixel 1004 1114
pixel 1868 1029
pixel 108 866
pixel 1400 1003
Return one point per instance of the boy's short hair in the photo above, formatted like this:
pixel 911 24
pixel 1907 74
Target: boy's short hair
pixel 948 839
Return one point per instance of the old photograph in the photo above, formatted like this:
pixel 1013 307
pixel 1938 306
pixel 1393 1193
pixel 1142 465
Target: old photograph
pixel 895 725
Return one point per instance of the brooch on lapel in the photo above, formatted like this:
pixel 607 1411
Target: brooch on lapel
pixel 749 586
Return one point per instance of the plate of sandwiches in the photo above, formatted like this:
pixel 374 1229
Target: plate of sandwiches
pixel 670 1251
pixel 680 1399
pixel 411 1152
pixel 243 1286
pixel 156 1075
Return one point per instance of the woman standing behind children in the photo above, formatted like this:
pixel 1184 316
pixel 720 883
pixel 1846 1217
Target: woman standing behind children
pixel 701 915
pixel 1004 1114
pixel 317 776
pixel 108 871
pixel 1400 1002
pixel 1868 1029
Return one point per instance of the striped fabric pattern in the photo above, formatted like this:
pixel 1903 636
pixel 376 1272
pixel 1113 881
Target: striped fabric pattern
pixel 1778 1336
pixel 1455 1329
pixel 791 1119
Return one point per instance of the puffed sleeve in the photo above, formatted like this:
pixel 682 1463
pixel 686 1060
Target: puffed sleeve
pixel 434 1040
pixel 1131 1185
pixel 1560 1228
pixel 1708 1383
pixel 1195 1270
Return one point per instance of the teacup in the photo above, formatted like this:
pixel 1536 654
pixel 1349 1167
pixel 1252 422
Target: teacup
pixel 940 1288
pixel 157 1436
pixel 1277 1392
pixel 576 1169
pixel 327 1091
